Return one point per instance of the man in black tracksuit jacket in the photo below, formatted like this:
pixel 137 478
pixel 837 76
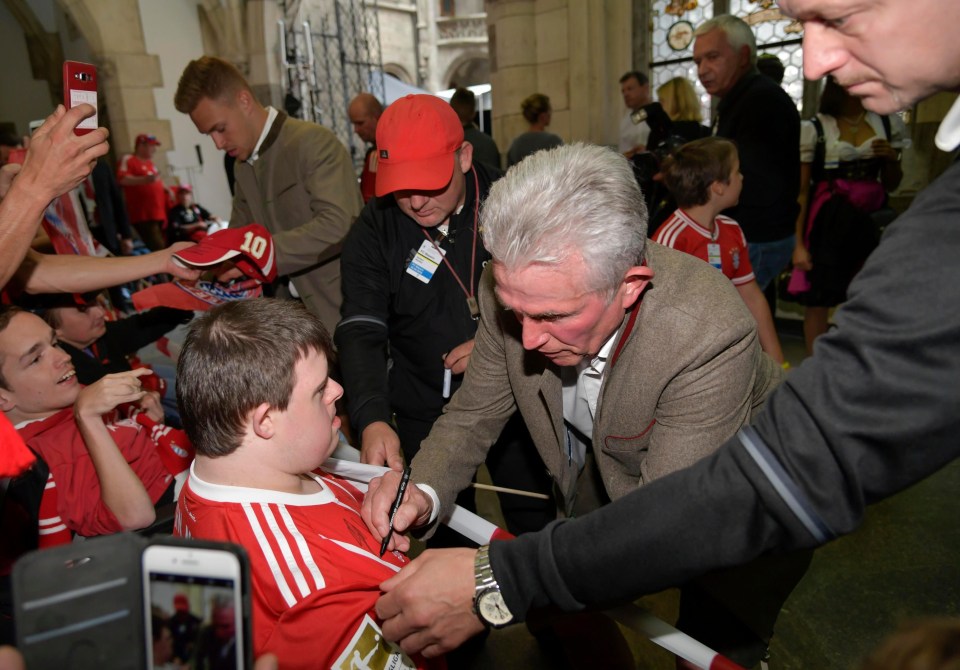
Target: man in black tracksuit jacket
pixel 406 312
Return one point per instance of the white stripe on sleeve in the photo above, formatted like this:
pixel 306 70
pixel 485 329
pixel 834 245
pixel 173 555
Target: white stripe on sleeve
pixel 318 580
pixel 267 552
pixel 285 550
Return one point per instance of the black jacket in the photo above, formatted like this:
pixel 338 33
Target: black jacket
pixel 386 311
pixel 763 121
pixel 109 354
pixel 111 210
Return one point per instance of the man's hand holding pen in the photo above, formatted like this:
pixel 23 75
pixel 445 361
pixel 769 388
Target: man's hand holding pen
pixel 414 510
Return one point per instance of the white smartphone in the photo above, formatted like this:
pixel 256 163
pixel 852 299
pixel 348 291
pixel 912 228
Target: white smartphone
pixel 194 607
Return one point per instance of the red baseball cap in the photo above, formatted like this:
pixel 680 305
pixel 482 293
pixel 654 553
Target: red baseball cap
pixel 180 603
pixel 417 137
pixel 250 248
pixel 148 139
pixel 184 188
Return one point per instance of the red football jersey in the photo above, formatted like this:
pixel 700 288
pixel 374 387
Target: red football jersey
pixel 58 441
pixel 315 572
pixel 145 202
pixel 725 248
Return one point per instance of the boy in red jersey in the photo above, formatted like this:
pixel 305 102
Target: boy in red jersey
pixel 704 178
pixel 256 398
pixel 105 476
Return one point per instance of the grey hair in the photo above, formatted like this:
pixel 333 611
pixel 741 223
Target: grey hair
pixel 574 200
pixel 736 29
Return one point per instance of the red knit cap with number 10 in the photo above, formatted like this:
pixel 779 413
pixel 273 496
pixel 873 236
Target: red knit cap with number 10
pixel 417 137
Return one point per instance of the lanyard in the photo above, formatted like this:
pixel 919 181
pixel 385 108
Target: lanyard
pixel 470 295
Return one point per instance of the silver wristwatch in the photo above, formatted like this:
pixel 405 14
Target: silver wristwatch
pixel 488 602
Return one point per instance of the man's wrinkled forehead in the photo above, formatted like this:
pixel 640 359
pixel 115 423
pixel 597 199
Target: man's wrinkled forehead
pixel 809 9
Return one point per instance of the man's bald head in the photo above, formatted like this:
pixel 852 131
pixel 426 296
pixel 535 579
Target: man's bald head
pixel 364 112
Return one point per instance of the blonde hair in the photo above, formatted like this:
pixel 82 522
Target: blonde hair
pixel 534 105
pixel 679 96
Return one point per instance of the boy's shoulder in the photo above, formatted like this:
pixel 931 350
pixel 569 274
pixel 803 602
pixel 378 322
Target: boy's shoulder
pixel 266 521
pixel 666 232
pixel 723 219
pixel 216 507
pixel 729 230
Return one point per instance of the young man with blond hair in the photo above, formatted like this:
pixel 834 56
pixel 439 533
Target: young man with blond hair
pixel 293 177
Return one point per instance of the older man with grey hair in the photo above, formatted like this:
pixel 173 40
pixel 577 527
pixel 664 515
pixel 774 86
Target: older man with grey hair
pixel 872 412
pixel 617 351
pixel 761 118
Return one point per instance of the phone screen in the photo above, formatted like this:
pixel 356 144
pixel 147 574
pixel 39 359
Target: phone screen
pixel 194 607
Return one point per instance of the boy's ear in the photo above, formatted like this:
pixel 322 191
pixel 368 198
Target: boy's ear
pixel 718 187
pixel 6 400
pixel 261 421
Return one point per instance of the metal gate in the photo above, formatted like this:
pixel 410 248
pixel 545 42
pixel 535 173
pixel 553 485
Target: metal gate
pixel 332 52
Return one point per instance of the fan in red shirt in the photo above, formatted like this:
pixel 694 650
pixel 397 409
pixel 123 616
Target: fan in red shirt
pixel 144 192
pixel 105 476
pixel 258 403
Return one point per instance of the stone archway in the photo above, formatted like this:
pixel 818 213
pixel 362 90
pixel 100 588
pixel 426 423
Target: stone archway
pixel 128 74
pixel 398 71
pixel 468 69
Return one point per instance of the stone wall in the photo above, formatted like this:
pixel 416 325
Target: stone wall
pixel 573 51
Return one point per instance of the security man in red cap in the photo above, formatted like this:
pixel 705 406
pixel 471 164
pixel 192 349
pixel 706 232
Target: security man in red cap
pixel 410 268
pixel 144 192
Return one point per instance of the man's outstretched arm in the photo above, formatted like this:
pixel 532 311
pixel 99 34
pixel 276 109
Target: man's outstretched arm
pixel 872 412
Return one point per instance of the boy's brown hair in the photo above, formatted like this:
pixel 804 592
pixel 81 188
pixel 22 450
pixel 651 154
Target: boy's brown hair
pixel 236 357
pixel 207 77
pixel 692 168
pixel 7 312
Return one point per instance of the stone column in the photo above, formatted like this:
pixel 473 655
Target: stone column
pixel 572 51
pixel 128 74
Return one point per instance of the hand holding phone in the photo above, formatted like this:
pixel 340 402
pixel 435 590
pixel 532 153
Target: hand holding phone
pixel 202 590
pixel 94 604
pixel 80 86
pixel 57 158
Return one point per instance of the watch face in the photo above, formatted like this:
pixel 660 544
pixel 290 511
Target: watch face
pixel 492 609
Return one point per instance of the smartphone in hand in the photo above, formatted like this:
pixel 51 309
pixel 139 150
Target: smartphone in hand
pixel 113 602
pixel 80 86
pixel 194 596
